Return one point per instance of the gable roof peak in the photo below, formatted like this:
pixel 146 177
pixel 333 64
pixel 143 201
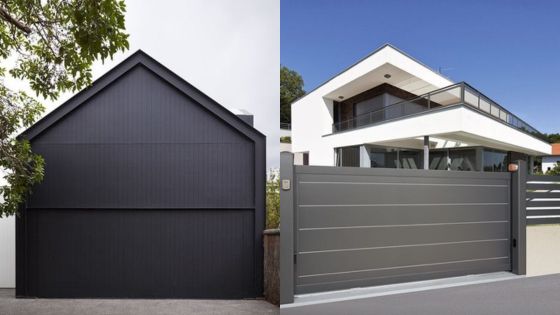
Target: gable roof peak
pixel 164 73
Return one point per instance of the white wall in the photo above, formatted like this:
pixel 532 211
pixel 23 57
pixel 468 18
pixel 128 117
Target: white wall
pixel 312 114
pixel 7 252
pixel 549 162
pixel 459 121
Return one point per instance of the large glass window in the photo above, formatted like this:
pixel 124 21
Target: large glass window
pixel 495 161
pixel 409 159
pixel 384 158
pixel 438 160
pixel 348 156
pixel 462 160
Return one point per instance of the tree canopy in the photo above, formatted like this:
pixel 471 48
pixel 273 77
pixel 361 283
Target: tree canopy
pixel 553 137
pixel 291 88
pixel 51 45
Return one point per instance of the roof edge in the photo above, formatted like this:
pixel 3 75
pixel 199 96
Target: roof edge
pixel 139 57
pixel 386 45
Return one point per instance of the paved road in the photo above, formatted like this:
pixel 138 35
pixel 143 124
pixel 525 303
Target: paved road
pixel 533 296
pixel 11 306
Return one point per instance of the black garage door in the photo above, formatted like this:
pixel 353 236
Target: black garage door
pixel 140 253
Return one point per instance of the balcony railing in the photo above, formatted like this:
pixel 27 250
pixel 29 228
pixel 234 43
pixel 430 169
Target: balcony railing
pixel 460 93
pixel 285 126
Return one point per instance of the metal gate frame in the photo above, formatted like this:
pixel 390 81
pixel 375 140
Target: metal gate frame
pixel 288 204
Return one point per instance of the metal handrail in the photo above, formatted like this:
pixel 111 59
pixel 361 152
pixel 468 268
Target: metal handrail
pixel 286 126
pixel 494 110
pixel 400 103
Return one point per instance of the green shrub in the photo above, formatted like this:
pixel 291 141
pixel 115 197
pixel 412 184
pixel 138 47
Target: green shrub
pixel 555 170
pixel 272 200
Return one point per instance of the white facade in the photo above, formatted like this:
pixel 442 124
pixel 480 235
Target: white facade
pixel 548 162
pixel 7 252
pixel 312 115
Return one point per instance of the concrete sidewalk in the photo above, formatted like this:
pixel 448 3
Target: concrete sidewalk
pixel 532 295
pixel 12 306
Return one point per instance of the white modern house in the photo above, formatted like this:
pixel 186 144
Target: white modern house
pixel 389 110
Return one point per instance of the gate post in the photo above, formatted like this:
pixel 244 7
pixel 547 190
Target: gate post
pixel 286 227
pixel 519 218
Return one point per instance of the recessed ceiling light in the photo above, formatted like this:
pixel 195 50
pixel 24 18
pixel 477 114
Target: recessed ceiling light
pixel 387 76
pixel 341 97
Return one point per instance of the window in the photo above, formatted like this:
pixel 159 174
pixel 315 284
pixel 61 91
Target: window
pixel 462 160
pixel 438 160
pixel 495 161
pixel 409 159
pixel 383 158
pixel 348 156
pixel 306 158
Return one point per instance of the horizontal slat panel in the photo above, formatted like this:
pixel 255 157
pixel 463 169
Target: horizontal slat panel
pixel 534 221
pixel 310 217
pixel 380 277
pixel 541 186
pixel 355 238
pixel 360 226
pixel 408 173
pixel 444 180
pixel 334 262
pixel 546 194
pixel 385 193
pixel 543 212
pixel 543 178
pixel 543 203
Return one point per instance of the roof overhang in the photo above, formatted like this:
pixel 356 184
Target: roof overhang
pixel 403 72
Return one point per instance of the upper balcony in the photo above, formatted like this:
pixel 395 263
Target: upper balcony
pixel 456 94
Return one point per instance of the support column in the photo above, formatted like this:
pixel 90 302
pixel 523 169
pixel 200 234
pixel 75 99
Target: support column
pixel 287 258
pixel 365 160
pixel 426 152
pixel 480 159
pixel 519 219
pixel 531 164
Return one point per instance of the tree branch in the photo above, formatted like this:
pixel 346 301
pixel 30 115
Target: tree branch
pixel 10 19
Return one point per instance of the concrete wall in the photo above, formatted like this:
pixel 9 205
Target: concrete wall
pixel 543 249
pixel 7 253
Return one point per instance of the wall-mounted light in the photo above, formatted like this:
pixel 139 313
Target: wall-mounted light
pixel 512 167
pixel 387 76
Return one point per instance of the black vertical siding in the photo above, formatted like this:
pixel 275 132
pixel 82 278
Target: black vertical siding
pixel 147 253
pixel 151 190
pixel 140 143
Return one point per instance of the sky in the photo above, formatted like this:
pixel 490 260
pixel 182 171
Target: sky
pixel 230 50
pixel 508 50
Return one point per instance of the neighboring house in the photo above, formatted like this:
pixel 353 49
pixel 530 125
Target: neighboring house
pixel 391 111
pixel 151 190
pixel 549 161
pixel 285 135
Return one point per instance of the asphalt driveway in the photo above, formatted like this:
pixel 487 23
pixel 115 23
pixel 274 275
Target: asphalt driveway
pixel 532 295
pixel 12 306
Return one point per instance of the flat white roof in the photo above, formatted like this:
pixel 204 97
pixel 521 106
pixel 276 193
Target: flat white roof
pixel 403 72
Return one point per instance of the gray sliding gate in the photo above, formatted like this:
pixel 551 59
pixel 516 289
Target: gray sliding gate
pixel 356 227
